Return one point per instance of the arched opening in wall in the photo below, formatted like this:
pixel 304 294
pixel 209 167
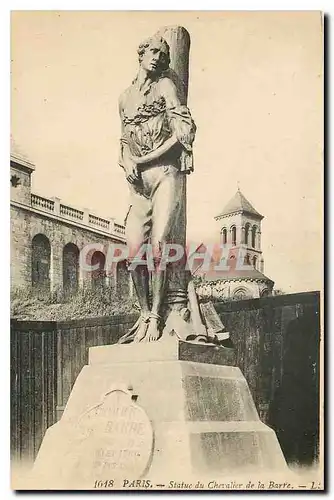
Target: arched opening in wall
pixel 41 260
pixel 247 260
pixel 224 236
pixel 234 235
pixel 99 274
pixel 123 279
pixel 247 228
pixel 241 293
pixel 254 261
pixel 254 229
pixel 232 262
pixel 70 268
pixel 265 293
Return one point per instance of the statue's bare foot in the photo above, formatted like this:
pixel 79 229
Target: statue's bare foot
pixel 152 332
pixel 141 331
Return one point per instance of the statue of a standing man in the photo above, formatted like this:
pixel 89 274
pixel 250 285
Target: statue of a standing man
pixel 156 151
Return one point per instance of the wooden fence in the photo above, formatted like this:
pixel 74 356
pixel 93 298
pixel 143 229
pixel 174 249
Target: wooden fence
pixel 74 338
pixel 277 345
pixel 33 385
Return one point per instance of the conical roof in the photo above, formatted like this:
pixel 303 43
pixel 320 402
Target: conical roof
pixel 239 203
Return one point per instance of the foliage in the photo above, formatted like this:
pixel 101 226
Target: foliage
pixel 86 302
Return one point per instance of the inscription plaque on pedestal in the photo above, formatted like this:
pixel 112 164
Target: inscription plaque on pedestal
pixel 116 438
pixel 113 439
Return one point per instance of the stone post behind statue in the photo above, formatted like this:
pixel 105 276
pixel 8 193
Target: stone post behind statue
pixel 178 40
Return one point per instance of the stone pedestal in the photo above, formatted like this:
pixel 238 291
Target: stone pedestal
pixel 202 414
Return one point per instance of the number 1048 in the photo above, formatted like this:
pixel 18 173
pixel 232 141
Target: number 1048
pixel 109 483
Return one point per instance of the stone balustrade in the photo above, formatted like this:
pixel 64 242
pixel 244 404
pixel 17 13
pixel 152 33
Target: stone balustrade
pixel 42 203
pixel 73 214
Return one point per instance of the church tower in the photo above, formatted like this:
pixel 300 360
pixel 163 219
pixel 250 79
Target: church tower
pixel 240 227
pixel 243 277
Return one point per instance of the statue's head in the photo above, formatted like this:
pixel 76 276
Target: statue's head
pixel 154 55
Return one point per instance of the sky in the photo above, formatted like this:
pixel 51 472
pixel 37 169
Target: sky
pixel 255 93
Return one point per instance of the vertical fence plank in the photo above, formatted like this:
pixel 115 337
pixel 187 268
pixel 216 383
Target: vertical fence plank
pixel 38 369
pixel 60 368
pixel 66 372
pixel 14 394
pixel 24 393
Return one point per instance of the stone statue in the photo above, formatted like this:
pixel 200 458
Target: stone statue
pixel 156 151
pixel 156 154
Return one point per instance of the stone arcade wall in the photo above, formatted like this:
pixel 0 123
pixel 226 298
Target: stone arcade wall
pixel 60 230
pixel 20 259
pixel 54 224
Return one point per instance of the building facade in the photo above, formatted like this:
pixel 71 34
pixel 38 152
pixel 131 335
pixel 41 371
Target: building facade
pixel 50 240
pixel 242 275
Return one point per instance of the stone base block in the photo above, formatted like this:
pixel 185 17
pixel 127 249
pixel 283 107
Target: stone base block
pixel 202 416
pixel 167 349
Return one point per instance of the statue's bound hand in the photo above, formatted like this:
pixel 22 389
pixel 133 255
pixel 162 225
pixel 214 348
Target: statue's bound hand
pixel 131 171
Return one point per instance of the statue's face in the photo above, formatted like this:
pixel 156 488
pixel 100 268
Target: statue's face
pixel 153 57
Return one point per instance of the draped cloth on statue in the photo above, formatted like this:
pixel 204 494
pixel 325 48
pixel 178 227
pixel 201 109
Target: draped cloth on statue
pixel 148 122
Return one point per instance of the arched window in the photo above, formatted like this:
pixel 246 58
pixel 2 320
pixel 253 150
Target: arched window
pixel 99 274
pixel 70 268
pixel 234 235
pixel 265 293
pixel 40 264
pixel 247 260
pixel 254 229
pixel 224 235
pixel 247 228
pixel 241 293
pixel 254 261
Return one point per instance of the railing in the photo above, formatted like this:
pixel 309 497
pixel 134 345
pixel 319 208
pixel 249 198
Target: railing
pixel 119 229
pixel 76 215
pixel 98 221
pixel 42 203
pixel 73 213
